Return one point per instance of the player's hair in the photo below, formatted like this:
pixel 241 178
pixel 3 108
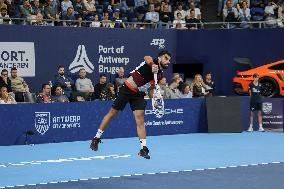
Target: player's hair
pixel 255 75
pixel 164 52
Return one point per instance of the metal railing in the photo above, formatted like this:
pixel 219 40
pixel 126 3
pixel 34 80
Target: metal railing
pixel 145 25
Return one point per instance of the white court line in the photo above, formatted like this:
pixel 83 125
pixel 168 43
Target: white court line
pixel 39 162
pixel 136 174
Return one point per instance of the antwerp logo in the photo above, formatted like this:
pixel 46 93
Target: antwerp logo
pixel 267 107
pixel 42 122
pixel 159 42
pixel 81 61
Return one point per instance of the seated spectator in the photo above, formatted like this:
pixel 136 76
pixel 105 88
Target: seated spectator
pixel 96 22
pixel 186 91
pixel 106 21
pixel 5 97
pixel 108 93
pixel 18 85
pixel 172 91
pixel 119 80
pixel 179 20
pixel 39 20
pixel 65 4
pixel 230 13
pixel 69 18
pixel 59 96
pixel 197 13
pixel 140 8
pixel 210 85
pixel 26 9
pixel 5 80
pixel 165 16
pixel 90 7
pixel 45 96
pixel 117 22
pixel 152 16
pixel 191 21
pixel 4 17
pixel 181 11
pixel 269 9
pixel 84 85
pixel 99 87
pixel 36 8
pixel 163 85
pixel 51 12
pixel 3 5
pixel 244 12
pixel 65 82
pixel 198 87
pixel 281 15
pixel 180 80
pixel 79 8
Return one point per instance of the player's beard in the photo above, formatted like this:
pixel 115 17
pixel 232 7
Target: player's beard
pixel 164 66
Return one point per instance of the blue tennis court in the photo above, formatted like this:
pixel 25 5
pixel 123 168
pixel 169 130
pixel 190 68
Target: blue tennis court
pixel 244 160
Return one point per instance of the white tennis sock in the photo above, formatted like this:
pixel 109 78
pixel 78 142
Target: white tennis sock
pixel 142 142
pixel 99 133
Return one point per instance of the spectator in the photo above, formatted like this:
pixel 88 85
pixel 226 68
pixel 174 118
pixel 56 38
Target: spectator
pixel 169 3
pixel 26 9
pixel 79 8
pixel 65 4
pixel 5 81
pixel 96 23
pixel 186 91
pixel 5 97
pixel 209 84
pixel 117 22
pixel 3 5
pixel 84 85
pixel 59 96
pixel 244 12
pixel 15 11
pixel 119 80
pixel 197 13
pixel 45 96
pixel 269 9
pixel 18 85
pixel 108 93
pixel 172 91
pixel 51 11
pixel 181 11
pixel 230 13
pixel 178 20
pixel 180 80
pixel 90 7
pixel 39 20
pixel 191 21
pixel 4 17
pixel 152 16
pixel 163 85
pixel 69 18
pixel 165 16
pixel 99 87
pixel 180 26
pixel 198 88
pixel 36 8
pixel 281 14
pixel 66 83
pixel 140 8
pixel 106 21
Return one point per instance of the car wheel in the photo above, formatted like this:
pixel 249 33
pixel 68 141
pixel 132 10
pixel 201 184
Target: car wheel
pixel 269 87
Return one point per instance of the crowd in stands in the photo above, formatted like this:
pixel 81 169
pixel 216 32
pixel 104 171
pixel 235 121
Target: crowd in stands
pixel 101 13
pixel 179 14
pixel 244 11
pixel 14 89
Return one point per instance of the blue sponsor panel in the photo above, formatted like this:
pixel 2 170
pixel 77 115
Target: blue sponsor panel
pixel 272 113
pixel 63 122
pixel 96 50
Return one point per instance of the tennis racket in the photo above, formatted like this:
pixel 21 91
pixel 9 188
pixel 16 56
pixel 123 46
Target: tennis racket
pixel 157 100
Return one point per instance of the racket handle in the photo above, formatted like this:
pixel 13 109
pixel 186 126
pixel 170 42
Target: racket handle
pixel 156 78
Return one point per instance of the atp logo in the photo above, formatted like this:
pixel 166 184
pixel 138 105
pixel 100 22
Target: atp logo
pixel 42 122
pixel 158 42
pixel 81 61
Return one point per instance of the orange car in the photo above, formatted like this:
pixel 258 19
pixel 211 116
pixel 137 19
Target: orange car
pixel 271 77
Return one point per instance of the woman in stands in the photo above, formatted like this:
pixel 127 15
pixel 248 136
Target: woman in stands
pixel 5 97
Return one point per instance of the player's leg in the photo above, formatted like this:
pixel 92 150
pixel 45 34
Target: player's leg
pixel 118 105
pixel 252 109
pixel 259 114
pixel 138 106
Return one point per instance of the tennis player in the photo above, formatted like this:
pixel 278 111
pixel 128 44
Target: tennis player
pixel 130 93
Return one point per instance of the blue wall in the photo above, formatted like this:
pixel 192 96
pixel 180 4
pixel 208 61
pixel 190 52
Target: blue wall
pixel 215 49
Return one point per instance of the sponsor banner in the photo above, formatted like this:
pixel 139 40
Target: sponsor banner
pixel 20 55
pixel 63 122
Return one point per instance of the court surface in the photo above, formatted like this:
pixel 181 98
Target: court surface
pixel 243 160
